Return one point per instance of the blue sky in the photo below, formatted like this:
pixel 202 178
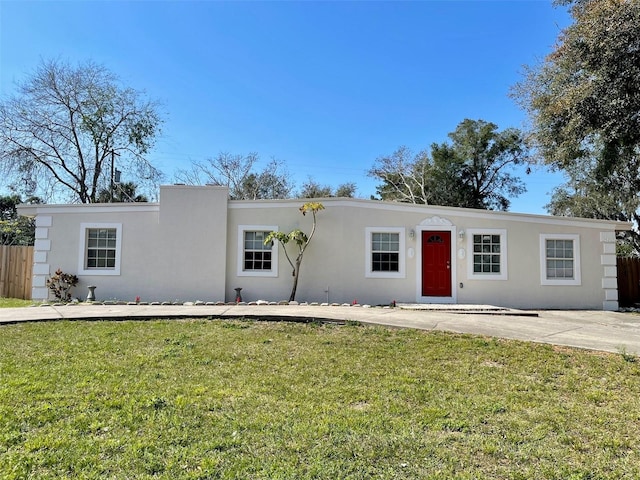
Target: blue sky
pixel 327 87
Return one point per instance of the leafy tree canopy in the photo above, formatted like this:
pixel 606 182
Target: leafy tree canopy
pixel 66 124
pixel 612 197
pixel 122 193
pixel 312 189
pixel 473 170
pixel 14 229
pixel 583 100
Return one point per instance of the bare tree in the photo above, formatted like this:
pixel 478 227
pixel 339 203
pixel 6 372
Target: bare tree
pixel 63 130
pixel 237 172
pixel 404 175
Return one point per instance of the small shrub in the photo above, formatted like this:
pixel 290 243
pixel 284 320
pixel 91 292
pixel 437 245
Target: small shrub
pixel 60 285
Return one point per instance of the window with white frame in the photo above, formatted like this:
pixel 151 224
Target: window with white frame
pixel 255 258
pixel 488 258
pixel 257 255
pixel 100 247
pixel 385 252
pixel 560 259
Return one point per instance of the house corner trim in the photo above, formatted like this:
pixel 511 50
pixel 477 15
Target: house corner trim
pixel 610 271
pixel 41 268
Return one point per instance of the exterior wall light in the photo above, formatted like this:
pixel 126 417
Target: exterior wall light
pixel 461 234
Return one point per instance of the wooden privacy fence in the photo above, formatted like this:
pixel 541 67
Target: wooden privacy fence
pixel 628 281
pixel 15 271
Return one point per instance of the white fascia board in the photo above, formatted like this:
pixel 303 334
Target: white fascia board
pixel 439 211
pixel 124 207
pixel 427 210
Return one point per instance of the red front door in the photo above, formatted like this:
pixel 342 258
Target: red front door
pixel 436 264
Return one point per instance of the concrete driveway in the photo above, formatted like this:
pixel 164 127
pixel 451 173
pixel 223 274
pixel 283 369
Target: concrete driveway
pixel 596 330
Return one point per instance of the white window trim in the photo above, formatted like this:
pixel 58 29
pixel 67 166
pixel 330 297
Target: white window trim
pixel 82 270
pixel 369 273
pixel 503 275
pixel 274 252
pixel 577 277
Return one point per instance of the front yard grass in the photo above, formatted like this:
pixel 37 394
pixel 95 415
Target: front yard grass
pixel 14 302
pixel 200 399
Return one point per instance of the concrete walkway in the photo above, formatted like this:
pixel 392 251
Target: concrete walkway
pixel 596 330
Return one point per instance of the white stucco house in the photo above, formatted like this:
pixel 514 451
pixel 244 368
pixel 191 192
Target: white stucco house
pixel 195 244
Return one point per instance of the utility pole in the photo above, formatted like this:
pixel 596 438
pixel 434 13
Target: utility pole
pixel 113 167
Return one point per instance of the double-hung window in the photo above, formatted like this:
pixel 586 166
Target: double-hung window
pixel 255 258
pixel 257 255
pixel 100 246
pixel 385 252
pixel 488 249
pixel 560 259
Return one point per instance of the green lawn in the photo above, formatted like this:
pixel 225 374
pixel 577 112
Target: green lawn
pixel 14 302
pixel 257 400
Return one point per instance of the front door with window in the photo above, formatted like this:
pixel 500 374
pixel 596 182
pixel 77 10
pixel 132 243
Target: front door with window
pixel 436 264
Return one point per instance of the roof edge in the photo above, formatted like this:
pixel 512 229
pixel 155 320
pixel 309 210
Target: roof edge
pixel 435 210
pixel 28 210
